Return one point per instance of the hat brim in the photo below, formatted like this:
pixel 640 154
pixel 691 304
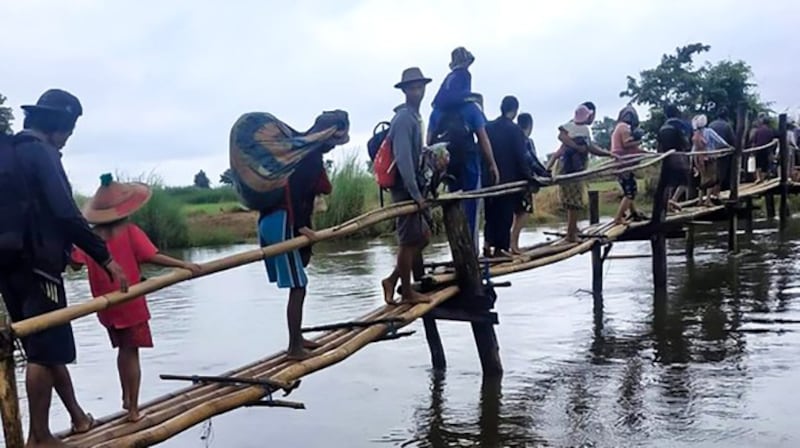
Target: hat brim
pixel 34 107
pixel 139 196
pixel 402 84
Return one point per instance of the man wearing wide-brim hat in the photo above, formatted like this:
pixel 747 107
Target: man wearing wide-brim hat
pixel 405 136
pixel 30 280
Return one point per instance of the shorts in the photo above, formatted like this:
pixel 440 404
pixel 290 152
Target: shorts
pixel 724 172
pixel 137 336
pixel 571 196
pixel 763 159
pixel 285 269
pixel 524 204
pixel 412 229
pixel 28 294
pixel 627 182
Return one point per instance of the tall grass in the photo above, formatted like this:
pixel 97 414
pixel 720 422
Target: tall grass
pixel 161 218
pixel 354 192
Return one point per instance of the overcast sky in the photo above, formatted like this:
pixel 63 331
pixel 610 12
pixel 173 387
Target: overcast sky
pixel 162 82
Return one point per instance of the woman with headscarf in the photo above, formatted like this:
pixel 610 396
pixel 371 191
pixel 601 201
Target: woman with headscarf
pixel 706 139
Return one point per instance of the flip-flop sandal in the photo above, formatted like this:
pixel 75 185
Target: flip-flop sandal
pixel 92 424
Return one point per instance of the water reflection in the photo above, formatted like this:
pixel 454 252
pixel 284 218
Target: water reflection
pixel 497 422
pixel 675 374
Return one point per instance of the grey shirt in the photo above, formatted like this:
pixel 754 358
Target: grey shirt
pixel 405 134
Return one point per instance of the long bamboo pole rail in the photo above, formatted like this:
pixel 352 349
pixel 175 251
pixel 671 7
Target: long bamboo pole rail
pixel 72 312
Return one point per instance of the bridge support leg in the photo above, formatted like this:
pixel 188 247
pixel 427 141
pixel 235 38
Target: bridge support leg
pixel 658 245
pixel 748 203
pixel 438 360
pixel 472 294
pixel 9 401
pixel 597 260
pixel 769 200
pixel 784 154
pixel 690 230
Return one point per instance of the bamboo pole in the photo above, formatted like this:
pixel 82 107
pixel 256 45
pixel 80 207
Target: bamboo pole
pixel 239 398
pixel 784 154
pixel 72 312
pixel 9 400
pixel 172 404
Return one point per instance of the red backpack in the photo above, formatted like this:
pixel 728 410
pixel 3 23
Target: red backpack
pixel 384 165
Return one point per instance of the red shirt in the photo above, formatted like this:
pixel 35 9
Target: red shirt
pixel 129 247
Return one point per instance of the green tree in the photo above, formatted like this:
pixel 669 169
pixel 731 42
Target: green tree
pixel 601 132
pixel 226 178
pixel 201 180
pixel 6 117
pixel 694 89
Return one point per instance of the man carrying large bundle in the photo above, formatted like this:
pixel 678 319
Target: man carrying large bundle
pixel 271 163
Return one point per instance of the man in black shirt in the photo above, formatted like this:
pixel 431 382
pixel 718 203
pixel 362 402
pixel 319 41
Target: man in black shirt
pixel 722 126
pixel 508 142
pixel 33 286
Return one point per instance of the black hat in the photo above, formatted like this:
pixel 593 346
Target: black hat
pixel 410 76
pixel 56 100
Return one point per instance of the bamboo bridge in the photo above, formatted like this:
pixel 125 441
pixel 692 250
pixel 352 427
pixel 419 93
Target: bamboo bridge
pixel 461 290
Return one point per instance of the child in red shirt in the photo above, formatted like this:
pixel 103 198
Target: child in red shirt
pixel 127 323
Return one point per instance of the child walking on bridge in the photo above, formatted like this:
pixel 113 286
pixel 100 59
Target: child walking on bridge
pixel 127 323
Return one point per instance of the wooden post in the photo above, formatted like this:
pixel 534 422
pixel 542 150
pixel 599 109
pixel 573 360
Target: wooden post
pixel 733 199
pixel 749 214
pixel 597 260
pixel 784 167
pixel 658 240
pixel 438 360
pixel 468 277
pixel 690 229
pixel 9 401
pixel 769 201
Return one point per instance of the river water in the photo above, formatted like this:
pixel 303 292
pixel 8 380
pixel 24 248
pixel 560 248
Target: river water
pixel 714 365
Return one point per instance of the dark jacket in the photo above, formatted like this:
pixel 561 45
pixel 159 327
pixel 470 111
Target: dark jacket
pixel 508 144
pixel 59 223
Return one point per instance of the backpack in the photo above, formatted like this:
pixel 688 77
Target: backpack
pixel 379 134
pixel 16 204
pixel 670 136
pixel 454 130
pixel 384 165
pixel 676 167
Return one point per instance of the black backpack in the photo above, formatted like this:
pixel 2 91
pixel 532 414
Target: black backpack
pixel 676 167
pixel 453 129
pixel 16 204
pixel 670 136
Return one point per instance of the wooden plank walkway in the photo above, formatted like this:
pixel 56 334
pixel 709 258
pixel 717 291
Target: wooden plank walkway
pixel 178 411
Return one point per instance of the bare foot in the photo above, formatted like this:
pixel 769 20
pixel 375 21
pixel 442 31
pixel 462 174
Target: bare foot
pixel 311 345
pixel 388 290
pixel 134 415
pixel 415 298
pixel 673 206
pixel 83 426
pixel 619 221
pixel 298 354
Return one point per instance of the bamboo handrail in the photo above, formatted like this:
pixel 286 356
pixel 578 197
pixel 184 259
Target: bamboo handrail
pixel 774 143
